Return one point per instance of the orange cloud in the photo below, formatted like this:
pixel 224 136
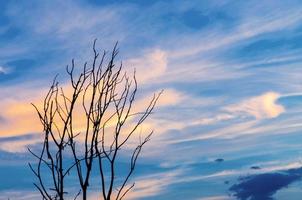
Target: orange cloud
pixel 20 117
pixel 261 107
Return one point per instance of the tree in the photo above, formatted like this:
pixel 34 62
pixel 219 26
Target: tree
pixel 102 96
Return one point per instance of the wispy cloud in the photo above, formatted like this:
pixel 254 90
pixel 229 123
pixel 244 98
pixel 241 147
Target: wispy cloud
pixel 150 66
pixel 237 172
pixel 20 195
pixel 248 28
pixel 216 198
pixel 2 69
pixel 260 107
pixel 18 144
pixel 230 72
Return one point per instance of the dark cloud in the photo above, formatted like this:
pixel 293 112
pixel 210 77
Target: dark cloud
pixel 219 160
pixel 255 167
pixel 264 186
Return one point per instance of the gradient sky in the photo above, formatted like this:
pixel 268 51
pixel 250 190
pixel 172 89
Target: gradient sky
pixel 229 123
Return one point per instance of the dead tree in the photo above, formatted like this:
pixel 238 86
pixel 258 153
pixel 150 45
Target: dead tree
pixel 103 96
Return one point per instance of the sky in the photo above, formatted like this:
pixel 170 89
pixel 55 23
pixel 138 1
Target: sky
pixel 228 125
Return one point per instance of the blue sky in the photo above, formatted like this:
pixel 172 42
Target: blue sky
pixel 231 71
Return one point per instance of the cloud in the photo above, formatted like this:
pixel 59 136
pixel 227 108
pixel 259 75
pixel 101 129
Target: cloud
pixel 242 128
pixel 20 118
pixel 169 97
pixel 169 56
pixel 216 198
pixel 229 132
pixel 264 186
pixel 18 144
pixel 69 17
pixel 213 120
pixel 248 28
pixel 20 195
pixel 150 66
pixel 233 173
pixel 260 107
pixel 269 167
pixel 217 175
pixel 3 70
pixel 150 185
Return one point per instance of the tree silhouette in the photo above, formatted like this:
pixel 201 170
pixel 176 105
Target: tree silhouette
pixel 86 127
